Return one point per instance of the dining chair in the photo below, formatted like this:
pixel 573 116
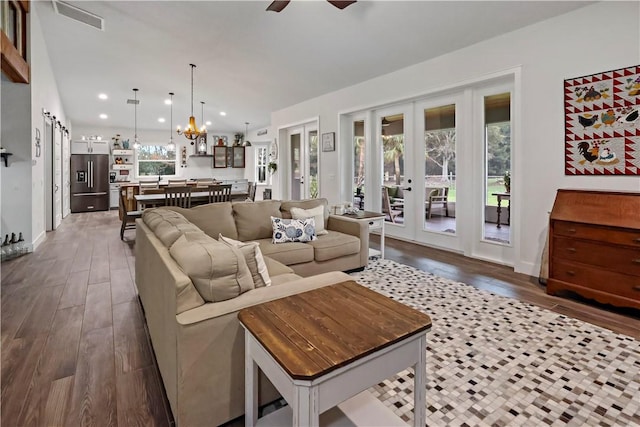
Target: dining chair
pixel 146 184
pixel 386 206
pixel 204 182
pixel 219 193
pixel 437 196
pixel 178 196
pixel 177 183
pixel 128 217
pixel 251 191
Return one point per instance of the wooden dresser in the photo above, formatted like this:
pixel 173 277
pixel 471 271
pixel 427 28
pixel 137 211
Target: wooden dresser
pixel 594 246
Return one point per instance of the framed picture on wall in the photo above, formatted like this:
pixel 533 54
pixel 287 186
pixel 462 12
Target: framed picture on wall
pixel 329 141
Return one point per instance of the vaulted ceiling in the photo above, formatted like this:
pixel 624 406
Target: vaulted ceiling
pixel 251 62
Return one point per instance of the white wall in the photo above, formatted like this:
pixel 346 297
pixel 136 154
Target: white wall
pixel 597 38
pixel 44 94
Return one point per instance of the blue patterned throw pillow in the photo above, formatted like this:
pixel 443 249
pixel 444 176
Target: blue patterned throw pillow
pixel 293 230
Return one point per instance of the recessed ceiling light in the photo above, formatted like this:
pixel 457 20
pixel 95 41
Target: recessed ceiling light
pixel 222 113
pixel 103 96
pixel 208 123
pixel 167 102
pixel 161 119
pixel 104 116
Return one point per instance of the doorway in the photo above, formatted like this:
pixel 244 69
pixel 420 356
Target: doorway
pixel 53 174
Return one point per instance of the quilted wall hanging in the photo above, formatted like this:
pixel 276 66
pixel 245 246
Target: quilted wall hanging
pixel 602 128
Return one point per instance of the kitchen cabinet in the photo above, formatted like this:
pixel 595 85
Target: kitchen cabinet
pixel 594 246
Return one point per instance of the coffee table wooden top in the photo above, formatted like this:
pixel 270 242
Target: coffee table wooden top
pixel 315 332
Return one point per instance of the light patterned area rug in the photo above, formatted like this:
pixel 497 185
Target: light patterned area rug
pixel 495 361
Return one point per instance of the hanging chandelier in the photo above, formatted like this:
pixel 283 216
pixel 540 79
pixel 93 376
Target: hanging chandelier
pixel 136 143
pixel 171 146
pixel 191 131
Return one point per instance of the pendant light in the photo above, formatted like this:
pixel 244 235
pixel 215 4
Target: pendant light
pixel 202 140
pixel 247 143
pixel 171 146
pixel 136 143
pixel 191 131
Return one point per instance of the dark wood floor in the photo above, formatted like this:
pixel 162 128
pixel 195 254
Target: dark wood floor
pixel 75 350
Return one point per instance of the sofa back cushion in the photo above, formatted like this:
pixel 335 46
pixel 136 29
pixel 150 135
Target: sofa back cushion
pixel 219 272
pixel 253 219
pixel 167 225
pixel 286 206
pixel 214 218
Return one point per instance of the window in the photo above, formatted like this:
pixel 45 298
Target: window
pixel 261 165
pixel 155 160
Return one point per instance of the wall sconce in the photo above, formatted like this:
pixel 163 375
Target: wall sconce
pixel 38 146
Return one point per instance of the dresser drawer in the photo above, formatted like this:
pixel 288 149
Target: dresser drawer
pixel 615 258
pixel 599 233
pixel 596 278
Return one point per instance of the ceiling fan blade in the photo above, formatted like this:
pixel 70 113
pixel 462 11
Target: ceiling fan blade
pixel 278 5
pixel 341 4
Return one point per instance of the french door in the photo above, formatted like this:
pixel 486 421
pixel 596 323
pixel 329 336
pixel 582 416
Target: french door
pixel 442 162
pixel 303 161
pixel 395 147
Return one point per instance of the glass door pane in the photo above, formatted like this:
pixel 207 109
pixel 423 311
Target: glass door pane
pixel 393 149
pixel 497 113
pixel 313 165
pixel 440 168
pixel 359 153
pixel 295 166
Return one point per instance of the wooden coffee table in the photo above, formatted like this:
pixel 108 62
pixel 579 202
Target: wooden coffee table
pixel 323 347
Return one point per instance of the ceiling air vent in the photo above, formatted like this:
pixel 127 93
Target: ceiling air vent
pixel 78 14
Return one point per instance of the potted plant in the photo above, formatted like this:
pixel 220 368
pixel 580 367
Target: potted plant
pixel 507 181
pixel 273 167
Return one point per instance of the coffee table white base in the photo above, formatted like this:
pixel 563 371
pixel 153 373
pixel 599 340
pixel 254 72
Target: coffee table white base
pixel 361 410
pixel 308 399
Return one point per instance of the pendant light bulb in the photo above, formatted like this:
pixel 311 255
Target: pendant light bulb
pixel 171 146
pixel 247 143
pixel 136 143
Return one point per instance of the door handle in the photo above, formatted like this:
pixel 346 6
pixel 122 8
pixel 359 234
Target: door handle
pixel 406 188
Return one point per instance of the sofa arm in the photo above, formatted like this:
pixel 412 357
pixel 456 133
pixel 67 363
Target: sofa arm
pixel 354 227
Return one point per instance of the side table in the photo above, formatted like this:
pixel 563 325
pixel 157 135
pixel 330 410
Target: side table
pixel 321 353
pixel 375 221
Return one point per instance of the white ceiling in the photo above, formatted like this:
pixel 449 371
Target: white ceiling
pixel 251 62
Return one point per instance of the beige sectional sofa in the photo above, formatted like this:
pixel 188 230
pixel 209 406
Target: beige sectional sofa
pixel 198 344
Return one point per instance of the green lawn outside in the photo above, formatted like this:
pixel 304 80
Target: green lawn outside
pixel 496 185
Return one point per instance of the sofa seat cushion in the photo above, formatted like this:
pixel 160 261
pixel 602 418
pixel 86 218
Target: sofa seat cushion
pixel 253 219
pixel 167 225
pixel 219 272
pixel 214 218
pixel 334 245
pixel 287 253
pixel 276 268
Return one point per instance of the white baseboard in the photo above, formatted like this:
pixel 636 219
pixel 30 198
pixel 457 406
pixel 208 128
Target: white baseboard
pixel 39 240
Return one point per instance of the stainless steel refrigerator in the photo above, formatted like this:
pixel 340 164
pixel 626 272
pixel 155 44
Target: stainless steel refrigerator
pixel 89 182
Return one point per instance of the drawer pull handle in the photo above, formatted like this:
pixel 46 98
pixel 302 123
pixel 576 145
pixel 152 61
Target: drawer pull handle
pixel 636 240
pixel 571 230
pixel 636 288
pixel 636 261
pixel 571 272
pixel 572 250
pixel 370 222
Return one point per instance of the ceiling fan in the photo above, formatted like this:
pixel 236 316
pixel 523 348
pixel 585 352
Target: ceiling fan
pixel 278 5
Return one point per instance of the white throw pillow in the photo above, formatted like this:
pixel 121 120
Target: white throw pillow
pixel 293 230
pixel 253 257
pixel 316 213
